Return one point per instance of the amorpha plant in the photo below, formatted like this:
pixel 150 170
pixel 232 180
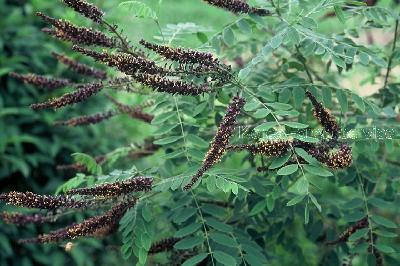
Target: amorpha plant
pixel 260 154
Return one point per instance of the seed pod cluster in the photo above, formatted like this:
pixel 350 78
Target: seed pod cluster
pixel 267 148
pixel 88 10
pixel 126 63
pixel 79 67
pixel 145 72
pixel 192 62
pixel 221 139
pixel 342 158
pixel 82 93
pixel 87 119
pixel 162 84
pixel 184 56
pixel 41 81
pixel 31 200
pixel 66 31
pixel 23 219
pixel 163 245
pixel 324 117
pixel 89 227
pixel 325 153
pixel 117 188
pixel 238 6
pixel 363 223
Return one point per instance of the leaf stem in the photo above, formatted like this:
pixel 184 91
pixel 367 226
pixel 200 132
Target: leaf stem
pixel 391 55
pixel 204 226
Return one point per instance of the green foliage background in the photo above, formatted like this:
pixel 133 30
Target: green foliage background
pixel 288 216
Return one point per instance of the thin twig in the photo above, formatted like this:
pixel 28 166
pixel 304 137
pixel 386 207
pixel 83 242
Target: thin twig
pixel 303 61
pixel 391 56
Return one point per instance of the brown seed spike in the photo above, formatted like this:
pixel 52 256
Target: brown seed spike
pixel 87 119
pixel 116 189
pixel 126 63
pixel 81 94
pixel 41 81
pixel 163 84
pixel 88 10
pixel 363 223
pixel 238 6
pixel 340 159
pixel 324 117
pixel 23 219
pixel 221 139
pixel 31 200
pixel 93 226
pixel 79 67
pixel 183 56
pixel 66 31
pixel 268 148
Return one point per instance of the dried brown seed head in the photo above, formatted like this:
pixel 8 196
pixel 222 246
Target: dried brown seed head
pixel 86 9
pixel 81 94
pixel 41 81
pixel 79 67
pixel 221 139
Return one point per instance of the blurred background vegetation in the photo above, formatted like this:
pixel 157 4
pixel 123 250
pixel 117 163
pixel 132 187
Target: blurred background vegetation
pixel 31 147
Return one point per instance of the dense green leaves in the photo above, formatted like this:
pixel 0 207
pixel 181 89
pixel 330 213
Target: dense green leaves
pixel 224 258
pixel 245 207
pixel 189 242
pixel 195 259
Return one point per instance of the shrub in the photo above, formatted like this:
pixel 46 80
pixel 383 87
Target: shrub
pixel 257 156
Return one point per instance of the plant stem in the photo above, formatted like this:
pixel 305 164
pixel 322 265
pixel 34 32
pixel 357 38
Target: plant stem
pixel 125 45
pixel 303 61
pixel 204 226
pixel 391 55
pixel 366 209
pixel 182 131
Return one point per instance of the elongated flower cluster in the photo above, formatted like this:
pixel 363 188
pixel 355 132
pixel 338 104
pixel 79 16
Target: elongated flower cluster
pixel 363 223
pixel 192 62
pixel 82 93
pixel 163 84
pixel 89 227
pixel 79 67
pixel 116 189
pixel 238 6
pixel 268 148
pixel 163 245
pixel 66 31
pixel 324 117
pixel 126 63
pixel 342 158
pixel 87 119
pixel 221 139
pixel 324 153
pixel 134 112
pixel 183 56
pixel 88 10
pixel 145 72
pixel 31 200
pixel 23 219
pixel 41 81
